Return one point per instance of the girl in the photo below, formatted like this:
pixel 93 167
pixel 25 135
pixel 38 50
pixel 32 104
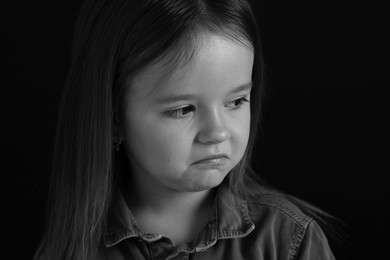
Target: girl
pixel 157 125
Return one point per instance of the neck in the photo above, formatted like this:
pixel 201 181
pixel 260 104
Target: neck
pixel 143 198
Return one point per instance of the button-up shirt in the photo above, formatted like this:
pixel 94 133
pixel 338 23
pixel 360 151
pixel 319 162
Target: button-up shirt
pixel 267 227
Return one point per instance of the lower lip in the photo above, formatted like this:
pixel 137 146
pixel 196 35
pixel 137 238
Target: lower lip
pixel 212 163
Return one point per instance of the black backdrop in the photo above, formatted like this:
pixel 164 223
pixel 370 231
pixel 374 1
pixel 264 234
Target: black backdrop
pixel 326 121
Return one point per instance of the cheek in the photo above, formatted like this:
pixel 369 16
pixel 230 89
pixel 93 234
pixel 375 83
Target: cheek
pixel 157 145
pixel 174 145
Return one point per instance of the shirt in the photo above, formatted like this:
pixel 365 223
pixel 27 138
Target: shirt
pixel 267 227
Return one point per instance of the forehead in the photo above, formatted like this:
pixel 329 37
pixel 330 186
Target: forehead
pixel 216 61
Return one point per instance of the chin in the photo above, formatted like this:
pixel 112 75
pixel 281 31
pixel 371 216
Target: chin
pixel 206 183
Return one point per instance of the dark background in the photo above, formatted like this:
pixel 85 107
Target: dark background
pixel 326 122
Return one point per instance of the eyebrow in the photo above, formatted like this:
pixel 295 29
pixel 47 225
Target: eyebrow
pixel 172 99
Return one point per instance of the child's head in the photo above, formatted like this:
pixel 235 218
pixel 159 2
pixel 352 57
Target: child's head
pixel 130 52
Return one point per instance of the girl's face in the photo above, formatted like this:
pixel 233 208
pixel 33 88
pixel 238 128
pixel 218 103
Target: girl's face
pixel 186 132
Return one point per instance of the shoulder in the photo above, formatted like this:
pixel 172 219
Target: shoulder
pixel 285 228
pixel 271 204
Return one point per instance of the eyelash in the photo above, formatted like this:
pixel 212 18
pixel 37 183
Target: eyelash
pixel 240 101
pixel 178 113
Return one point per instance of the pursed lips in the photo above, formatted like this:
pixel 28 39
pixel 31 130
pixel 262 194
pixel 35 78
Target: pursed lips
pixel 214 158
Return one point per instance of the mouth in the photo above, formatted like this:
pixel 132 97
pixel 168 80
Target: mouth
pixel 213 159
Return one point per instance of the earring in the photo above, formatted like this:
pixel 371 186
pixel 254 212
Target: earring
pixel 117 143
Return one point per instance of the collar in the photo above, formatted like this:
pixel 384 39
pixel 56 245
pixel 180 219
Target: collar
pixel 230 220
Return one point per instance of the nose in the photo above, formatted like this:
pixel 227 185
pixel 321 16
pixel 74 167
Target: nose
pixel 214 129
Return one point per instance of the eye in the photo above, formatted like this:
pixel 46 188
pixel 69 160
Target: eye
pixel 237 103
pixel 181 113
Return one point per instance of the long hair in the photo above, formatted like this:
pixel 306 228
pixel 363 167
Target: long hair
pixel 113 41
